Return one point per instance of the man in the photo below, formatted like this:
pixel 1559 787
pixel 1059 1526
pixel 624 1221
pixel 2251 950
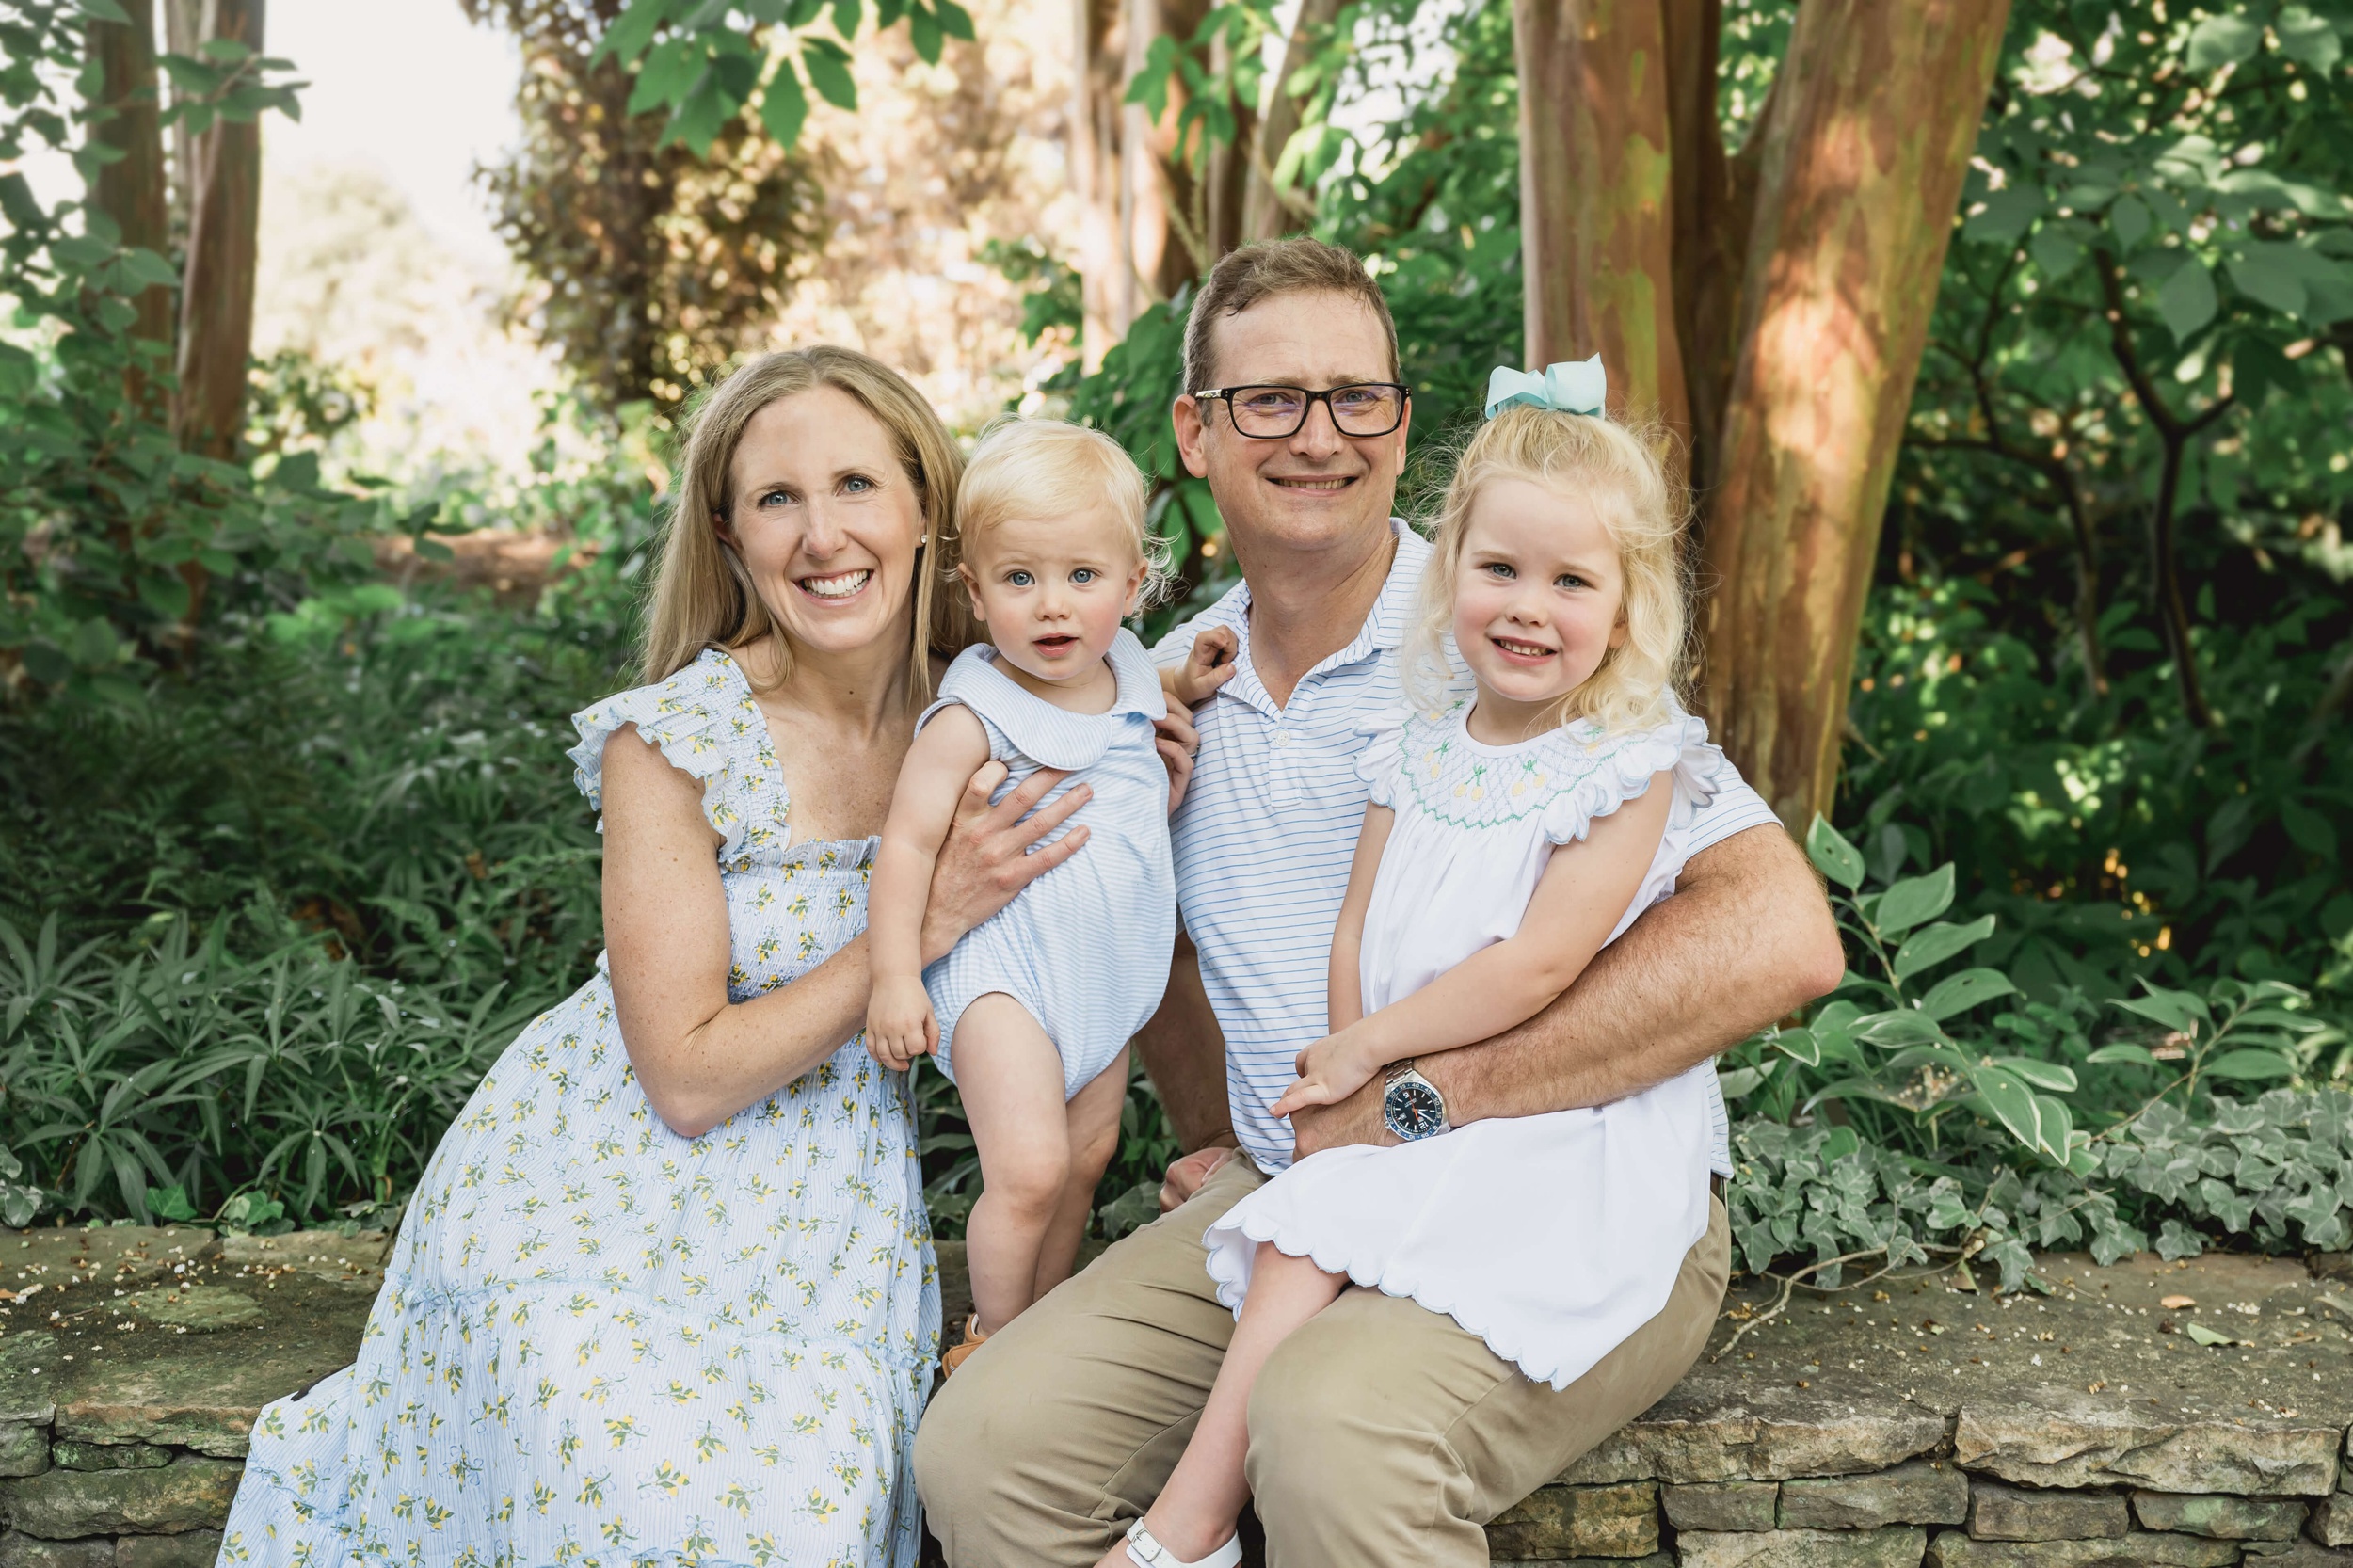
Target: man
pixel 1382 1433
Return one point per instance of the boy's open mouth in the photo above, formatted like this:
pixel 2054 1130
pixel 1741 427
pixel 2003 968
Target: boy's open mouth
pixel 1058 643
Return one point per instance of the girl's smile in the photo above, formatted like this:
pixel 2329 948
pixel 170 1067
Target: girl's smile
pixel 1539 602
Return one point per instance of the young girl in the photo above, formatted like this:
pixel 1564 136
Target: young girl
pixel 1552 1237
pixel 1031 1014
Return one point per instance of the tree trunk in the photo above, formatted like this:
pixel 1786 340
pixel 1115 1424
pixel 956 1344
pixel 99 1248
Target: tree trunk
pixel 1874 116
pixel 216 307
pixel 1228 173
pixel 1271 211
pixel 1162 209
pixel 1596 220
pixel 1712 212
pixel 1095 168
pixel 134 190
pixel 184 31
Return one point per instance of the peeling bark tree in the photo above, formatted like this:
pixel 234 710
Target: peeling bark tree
pixel 216 298
pixel 1772 306
pixel 1271 211
pixel 133 188
pixel 1095 173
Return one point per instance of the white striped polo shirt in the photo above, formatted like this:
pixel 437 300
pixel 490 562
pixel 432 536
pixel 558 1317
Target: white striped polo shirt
pixel 1268 831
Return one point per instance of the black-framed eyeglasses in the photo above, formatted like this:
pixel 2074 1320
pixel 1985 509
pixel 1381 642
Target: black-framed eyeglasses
pixel 1269 413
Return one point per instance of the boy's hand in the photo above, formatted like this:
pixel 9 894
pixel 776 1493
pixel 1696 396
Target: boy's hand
pixel 899 1023
pixel 1330 1070
pixel 1209 665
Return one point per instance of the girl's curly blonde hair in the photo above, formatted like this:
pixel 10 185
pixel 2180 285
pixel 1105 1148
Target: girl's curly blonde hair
pixel 1617 468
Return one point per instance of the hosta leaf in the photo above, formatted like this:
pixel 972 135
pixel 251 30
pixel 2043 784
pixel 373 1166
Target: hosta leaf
pixel 2042 1075
pixel 2012 1103
pixel 1933 945
pixel 1832 855
pixel 1970 988
pixel 1914 899
pixel 2250 1065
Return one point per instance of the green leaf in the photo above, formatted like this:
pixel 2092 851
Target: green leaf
pixel 2130 219
pixel 2176 1010
pixel 954 19
pixel 1913 900
pixel 2250 1065
pixel 2058 1127
pixel 1840 1143
pixel 226 50
pixel 1832 855
pixel 829 67
pixel 2042 1075
pixel 2137 1055
pixel 2186 302
pixel 104 10
pixel 664 77
pixel 1800 1045
pixel 1901 1026
pixel 2308 40
pixel 1970 988
pixel 630 32
pixel 2221 40
pixel 2008 213
pixel 2057 251
pixel 847 14
pixel 1738 1081
pixel 2261 277
pixel 1933 945
pixel 2311 831
pixel 2011 1102
pixel 2205 1336
pixel 784 109
pixel 147 270
pixel 923 32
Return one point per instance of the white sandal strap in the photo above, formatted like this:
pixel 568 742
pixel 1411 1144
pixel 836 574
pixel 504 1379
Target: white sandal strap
pixel 1147 1552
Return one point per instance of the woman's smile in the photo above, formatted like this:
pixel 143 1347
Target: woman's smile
pixel 837 586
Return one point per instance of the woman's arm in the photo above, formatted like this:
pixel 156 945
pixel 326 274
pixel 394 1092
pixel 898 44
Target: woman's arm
pixel 1345 1002
pixel 699 1058
pixel 899 1022
pixel 1581 896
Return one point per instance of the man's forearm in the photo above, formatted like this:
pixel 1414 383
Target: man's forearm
pixel 1184 1053
pixel 1747 938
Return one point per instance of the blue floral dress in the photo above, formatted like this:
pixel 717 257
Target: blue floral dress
pixel 601 1344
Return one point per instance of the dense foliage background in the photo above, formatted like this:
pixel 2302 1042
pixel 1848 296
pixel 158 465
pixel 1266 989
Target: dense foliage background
pixel 288 851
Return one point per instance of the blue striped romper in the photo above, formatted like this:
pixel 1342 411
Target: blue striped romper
pixel 1085 948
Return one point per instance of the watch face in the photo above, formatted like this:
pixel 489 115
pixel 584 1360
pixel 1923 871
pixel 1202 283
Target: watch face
pixel 1414 1111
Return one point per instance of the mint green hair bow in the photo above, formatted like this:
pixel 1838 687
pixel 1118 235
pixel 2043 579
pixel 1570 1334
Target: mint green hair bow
pixel 1571 387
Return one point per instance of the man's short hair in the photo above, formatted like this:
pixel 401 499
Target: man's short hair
pixel 1270 267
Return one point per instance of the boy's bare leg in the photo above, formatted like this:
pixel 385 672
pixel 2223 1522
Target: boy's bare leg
pixel 1092 1122
pixel 1196 1510
pixel 1011 1082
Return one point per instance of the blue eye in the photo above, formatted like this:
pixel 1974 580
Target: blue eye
pixel 1085 575
pixel 1497 568
pixel 857 483
pixel 774 498
pixel 1019 579
pixel 1569 579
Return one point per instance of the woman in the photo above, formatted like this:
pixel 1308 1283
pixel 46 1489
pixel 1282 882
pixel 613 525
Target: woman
pixel 665 1292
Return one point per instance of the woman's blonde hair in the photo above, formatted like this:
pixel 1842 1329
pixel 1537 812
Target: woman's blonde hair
pixel 1035 467
pixel 1618 471
pixel 703 597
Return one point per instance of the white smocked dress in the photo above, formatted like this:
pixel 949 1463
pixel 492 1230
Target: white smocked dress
pixel 1551 1237
pixel 1085 946
pixel 603 1345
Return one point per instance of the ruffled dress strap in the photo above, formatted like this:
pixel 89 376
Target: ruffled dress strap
pixel 1602 771
pixel 1034 728
pixel 707 725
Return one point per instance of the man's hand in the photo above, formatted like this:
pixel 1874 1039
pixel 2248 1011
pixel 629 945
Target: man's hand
pixel 989 855
pixel 1185 1176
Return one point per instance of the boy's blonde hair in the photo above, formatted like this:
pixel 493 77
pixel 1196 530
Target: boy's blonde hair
pixel 1043 467
pixel 1618 471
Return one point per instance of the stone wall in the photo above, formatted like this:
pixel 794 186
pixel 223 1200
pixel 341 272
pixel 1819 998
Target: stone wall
pixel 1900 1425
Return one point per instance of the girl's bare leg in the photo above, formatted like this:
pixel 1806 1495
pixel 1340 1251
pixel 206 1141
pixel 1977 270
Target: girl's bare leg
pixel 1196 1510
pixel 1092 1121
pixel 1010 1079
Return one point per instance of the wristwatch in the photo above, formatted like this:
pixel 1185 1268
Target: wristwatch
pixel 1411 1104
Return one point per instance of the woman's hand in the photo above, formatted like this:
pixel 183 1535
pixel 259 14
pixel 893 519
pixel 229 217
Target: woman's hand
pixel 900 1026
pixel 1330 1070
pixel 989 855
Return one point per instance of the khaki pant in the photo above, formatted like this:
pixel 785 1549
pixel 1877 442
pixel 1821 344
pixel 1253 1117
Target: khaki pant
pixel 1382 1435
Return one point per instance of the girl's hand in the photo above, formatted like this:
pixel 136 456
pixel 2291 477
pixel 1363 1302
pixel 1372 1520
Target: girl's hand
pixel 1209 665
pixel 899 1023
pixel 1329 1071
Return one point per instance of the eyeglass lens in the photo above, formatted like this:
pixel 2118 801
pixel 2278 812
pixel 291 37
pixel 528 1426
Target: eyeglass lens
pixel 1362 411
